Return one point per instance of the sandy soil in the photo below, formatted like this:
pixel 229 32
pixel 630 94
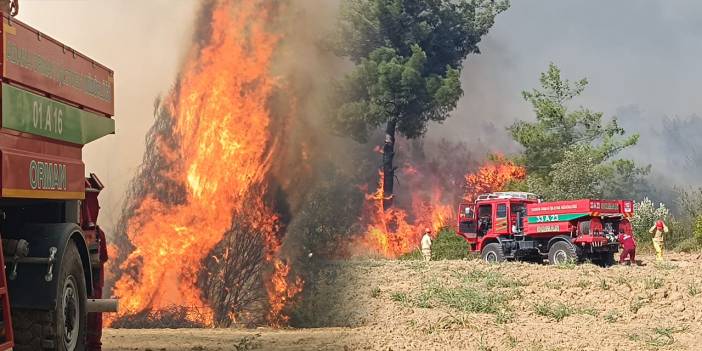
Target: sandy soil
pixel 468 305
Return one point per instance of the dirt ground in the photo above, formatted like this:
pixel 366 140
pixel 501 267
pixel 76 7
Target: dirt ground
pixel 469 305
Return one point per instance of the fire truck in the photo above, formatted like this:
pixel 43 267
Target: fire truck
pixel 55 100
pixel 519 226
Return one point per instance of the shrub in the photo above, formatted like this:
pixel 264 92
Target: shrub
pixel 645 215
pixel 446 246
pixel 449 246
pixel 688 245
pixel 680 231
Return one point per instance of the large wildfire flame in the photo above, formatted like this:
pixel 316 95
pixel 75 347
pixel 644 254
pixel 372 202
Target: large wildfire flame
pixel 396 231
pixel 224 149
pixel 391 233
pixel 491 177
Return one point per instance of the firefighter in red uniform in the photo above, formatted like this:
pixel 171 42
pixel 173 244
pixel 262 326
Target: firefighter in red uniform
pixel 628 248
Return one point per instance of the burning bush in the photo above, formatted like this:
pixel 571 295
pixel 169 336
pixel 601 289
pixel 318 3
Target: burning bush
pixel 233 281
pixel 167 317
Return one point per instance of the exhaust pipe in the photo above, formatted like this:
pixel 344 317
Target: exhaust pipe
pixel 101 305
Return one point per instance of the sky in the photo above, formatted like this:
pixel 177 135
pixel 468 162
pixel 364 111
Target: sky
pixel 641 56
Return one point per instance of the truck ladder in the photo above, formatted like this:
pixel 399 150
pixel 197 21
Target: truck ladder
pixel 7 337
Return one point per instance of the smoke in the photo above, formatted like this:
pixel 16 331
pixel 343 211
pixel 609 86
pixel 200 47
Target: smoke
pixel 641 61
pixel 144 43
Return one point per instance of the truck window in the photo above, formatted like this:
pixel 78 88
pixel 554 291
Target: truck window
pixel 485 211
pixel 501 211
pixel 484 219
pixel 517 207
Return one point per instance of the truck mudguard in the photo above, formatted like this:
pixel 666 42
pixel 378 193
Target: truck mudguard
pixel 34 287
pixel 564 238
pixel 491 239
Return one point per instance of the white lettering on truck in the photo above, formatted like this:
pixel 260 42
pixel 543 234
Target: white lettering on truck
pixel 47 117
pixel 47 176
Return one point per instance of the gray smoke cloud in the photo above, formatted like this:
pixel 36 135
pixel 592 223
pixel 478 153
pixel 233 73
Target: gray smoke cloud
pixel 640 57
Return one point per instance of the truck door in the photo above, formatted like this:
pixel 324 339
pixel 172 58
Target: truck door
pixel 484 219
pixel 467 223
pixel 501 219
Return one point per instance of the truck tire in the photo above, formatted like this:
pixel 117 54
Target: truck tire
pixel 492 253
pixel 64 328
pixel 562 252
pixel 606 259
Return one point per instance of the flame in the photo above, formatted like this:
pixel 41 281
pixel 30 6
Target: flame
pixel 491 177
pixel 397 230
pixel 280 291
pixel 390 232
pixel 222 125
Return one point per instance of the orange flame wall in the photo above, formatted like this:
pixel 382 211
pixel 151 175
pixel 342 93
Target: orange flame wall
pixel 222 125
pixel 493 176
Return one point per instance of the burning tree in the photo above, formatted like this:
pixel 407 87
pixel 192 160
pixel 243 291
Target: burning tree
pixel 408 57
pixel 433 176
pixel 197 227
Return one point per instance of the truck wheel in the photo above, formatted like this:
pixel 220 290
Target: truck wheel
pixel 562 252
pixel 64 328
pixel 492 253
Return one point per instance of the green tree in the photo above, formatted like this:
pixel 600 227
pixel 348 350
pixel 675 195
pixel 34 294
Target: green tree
pixel 408 56
pixel 570 153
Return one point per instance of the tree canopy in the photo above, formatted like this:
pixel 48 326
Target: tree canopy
pixel 571 153
pixel 408 56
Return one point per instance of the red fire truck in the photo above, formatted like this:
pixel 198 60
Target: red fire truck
pixel 54 101
pixel 519 226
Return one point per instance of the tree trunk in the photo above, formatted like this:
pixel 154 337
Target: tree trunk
pixel 388 168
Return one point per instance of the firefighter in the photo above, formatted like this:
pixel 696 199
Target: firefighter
pixel 628 248
pixel 426 245
pixel 657 232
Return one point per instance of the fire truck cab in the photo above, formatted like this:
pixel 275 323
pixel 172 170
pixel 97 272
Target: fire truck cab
pixel 519 226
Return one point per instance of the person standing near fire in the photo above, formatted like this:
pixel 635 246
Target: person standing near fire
pixel 657 232
pixel 628 248
pixel 426 245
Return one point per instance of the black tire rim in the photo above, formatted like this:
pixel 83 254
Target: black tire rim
pixel 71 313
pixel 491 257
